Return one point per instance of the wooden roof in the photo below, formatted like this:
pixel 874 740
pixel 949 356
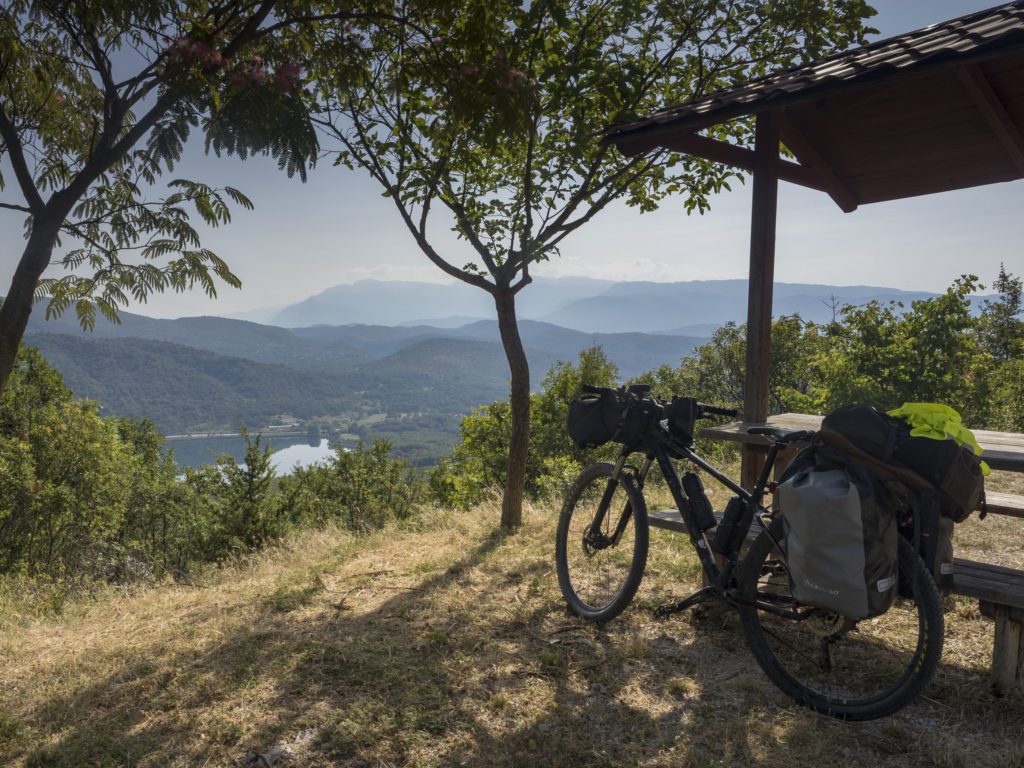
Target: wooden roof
pixel 937 109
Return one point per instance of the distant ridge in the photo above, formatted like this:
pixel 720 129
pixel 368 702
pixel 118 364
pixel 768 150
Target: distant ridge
pixel 376 302
pixel 581 304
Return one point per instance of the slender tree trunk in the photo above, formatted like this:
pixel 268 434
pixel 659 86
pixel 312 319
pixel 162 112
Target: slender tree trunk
pixel 518 447
pixel 17 306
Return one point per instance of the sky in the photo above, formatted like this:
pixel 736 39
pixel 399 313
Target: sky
pixel 337 228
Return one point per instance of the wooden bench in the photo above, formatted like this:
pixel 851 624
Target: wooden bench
pixel 999 590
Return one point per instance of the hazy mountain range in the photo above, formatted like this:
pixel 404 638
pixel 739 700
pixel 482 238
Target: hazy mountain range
pixel 400 360
pixel 578 303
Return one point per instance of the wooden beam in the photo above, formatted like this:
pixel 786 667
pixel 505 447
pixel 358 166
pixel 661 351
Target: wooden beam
pixel 721 152
pixel 809 157
pixel 994 112
pixel 763 216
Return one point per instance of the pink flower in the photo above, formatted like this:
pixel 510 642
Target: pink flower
pixel 287 76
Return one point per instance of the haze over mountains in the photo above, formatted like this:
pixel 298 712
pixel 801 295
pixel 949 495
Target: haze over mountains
pixel 399 360
pixel 578 303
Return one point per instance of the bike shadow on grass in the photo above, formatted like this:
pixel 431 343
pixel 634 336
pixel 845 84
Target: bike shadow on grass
pixel 478 664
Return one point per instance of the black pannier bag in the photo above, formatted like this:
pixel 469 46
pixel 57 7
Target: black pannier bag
pixel 932 531
pixel 953 469
pixel 840 538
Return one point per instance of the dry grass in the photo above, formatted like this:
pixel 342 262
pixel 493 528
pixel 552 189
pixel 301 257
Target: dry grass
pixel 447 644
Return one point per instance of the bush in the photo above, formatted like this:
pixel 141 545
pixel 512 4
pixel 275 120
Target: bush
pixel 63 499
pixel 361 489
pixel 239 507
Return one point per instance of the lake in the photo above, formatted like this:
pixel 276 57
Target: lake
pixel 287 450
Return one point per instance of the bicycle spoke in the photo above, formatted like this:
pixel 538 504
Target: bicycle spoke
pixel 859 669
pixel 601 544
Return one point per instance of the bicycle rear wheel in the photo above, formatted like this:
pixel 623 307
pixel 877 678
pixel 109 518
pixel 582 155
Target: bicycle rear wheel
pixel 872 669
pixel 598 571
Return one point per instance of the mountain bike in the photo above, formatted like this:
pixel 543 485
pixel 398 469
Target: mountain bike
pixel 855 670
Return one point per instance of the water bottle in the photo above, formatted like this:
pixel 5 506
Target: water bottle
pixel 699 506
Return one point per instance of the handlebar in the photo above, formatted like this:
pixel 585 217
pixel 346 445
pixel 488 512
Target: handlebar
pixel 639 391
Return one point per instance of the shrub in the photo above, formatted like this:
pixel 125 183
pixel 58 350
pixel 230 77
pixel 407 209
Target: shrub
pixel 240 506
pixel 361 489
pixel 62 496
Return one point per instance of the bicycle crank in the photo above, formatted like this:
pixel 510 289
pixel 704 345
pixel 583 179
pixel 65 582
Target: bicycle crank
pixel 666 610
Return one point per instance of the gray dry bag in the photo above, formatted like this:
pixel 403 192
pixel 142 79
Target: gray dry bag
pixel 840 542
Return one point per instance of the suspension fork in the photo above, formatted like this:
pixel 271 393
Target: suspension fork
pixel 627 512
pixel 609 493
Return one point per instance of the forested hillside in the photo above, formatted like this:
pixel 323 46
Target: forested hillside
pixel 208 373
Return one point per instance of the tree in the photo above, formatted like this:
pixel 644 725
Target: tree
pixel 1002 329
pixel 479 462
pixel 886 355
pixel 62 495
pixel 240 503
pixel 490 112
pixel 97 100
pixel 714 372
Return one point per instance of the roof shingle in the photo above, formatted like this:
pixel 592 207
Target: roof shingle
pixel 968 38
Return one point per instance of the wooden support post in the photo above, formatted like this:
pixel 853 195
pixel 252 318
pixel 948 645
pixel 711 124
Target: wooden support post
pixel 1006 650
pixel 762 275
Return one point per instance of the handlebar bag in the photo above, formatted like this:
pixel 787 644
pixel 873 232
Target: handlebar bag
pixel 840 542
pixel 682 418
pixel 594 419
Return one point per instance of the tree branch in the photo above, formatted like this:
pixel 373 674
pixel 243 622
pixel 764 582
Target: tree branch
pixel 16 153
pixel 380 174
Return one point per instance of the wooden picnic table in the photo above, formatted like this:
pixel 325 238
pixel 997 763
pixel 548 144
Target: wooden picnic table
pixel 1000 450
pixel 1000 591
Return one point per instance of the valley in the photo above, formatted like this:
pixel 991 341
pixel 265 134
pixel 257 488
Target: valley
pixel 380 368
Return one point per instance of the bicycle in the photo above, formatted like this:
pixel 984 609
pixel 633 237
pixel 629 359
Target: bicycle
pixel 853 670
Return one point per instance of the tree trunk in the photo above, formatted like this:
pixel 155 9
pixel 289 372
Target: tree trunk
pixel 17 306
pixel 518 447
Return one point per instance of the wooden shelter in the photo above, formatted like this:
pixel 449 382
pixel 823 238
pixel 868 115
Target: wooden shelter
pixel 938 109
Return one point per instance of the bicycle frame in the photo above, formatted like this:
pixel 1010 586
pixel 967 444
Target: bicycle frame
pixel 661 449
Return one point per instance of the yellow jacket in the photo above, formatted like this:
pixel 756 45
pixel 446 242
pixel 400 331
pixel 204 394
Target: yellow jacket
pixel 938 422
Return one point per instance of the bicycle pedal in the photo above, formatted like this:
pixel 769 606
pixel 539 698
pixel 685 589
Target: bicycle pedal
pixel 666 610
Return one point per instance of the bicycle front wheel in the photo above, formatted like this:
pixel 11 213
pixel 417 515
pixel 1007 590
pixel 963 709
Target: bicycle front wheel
pixel 852 671
pixel 600 562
